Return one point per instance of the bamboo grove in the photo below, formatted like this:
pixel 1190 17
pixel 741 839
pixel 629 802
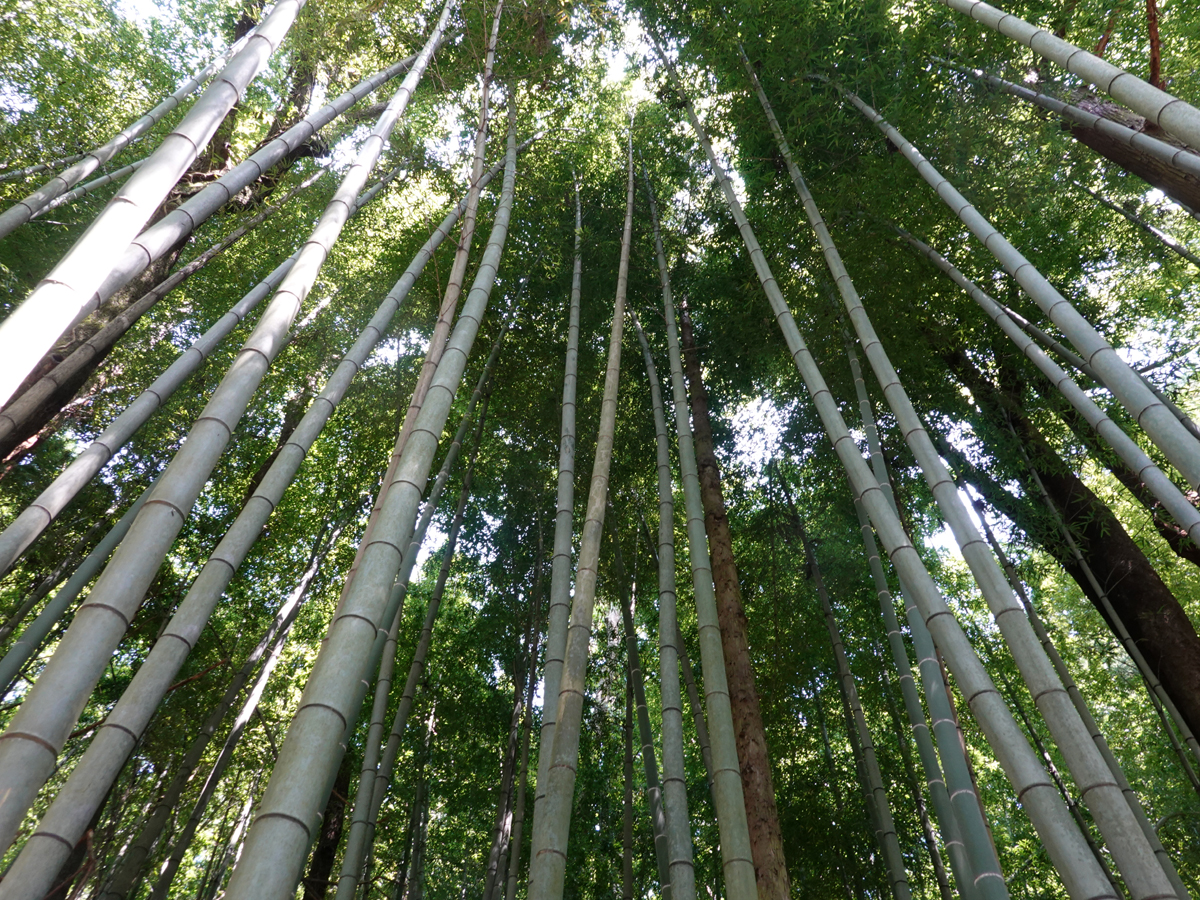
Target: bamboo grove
pixel 527 449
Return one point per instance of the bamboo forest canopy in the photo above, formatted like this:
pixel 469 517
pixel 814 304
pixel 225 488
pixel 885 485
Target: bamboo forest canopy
pixel 530 449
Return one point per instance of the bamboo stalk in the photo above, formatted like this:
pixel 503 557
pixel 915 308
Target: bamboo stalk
pixel 1161 236
pixel 1160 424
pixel 61 298
pixel 277 841
pixel 1082 876
pixel 552 818
pixel 90 187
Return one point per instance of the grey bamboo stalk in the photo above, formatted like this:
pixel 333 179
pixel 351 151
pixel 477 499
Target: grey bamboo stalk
pixel 27 644
pixel 278 839
pixel 627 796
pixel 552 818
pixel 90 187
pixel 1159 107
pixel 889 842
pixel 986 878
pixel 518 820
pixel 737 862
pixel 1126 448
pixel 437 341
pixel 44 720
pixel 169 231
pixel 1066 848
pixel 60 299
pixel 1178 157
pixel 560 566
pixel 26 405
pixel 1132 853
pixel 35 518
pixel 679 832
pixel 56 577
pixel 286 618
pixel 14 174
pixel 1160 424
pixel 1161 236
pixel 964 831
pixel 358 838
pixel 83 165
pixel 637 679
pixel 1077 698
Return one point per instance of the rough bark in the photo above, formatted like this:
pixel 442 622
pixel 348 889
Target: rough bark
pixel 1147 607
pixel 762 816
pixel 320 866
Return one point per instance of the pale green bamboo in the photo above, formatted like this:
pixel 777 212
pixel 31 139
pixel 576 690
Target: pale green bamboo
pixel 1160 424
pixel 170 231
pixel 560 565
pixel 60 299
pixel 36 518
pixel 44 720
pixel 90 187
pixel 86 163
pixel 552 817
pixel 674 782
pixel 291 806
pixel 1066 848
pixel 888 839
pixel 1157 106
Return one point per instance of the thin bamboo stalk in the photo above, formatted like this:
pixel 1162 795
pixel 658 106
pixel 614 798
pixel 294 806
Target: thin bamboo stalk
pixel 1082 876
pixel 291 805
pixel 560 565
pixel 34 519
pixel 16 416
pixel 170 231
pixel 1126 448
pixel 518 820
pixel 888 840
pixel 552 818
pixel 679 833
pixel 43 722
pixel 1160 424
pixel 1159 107
pixel 56 577
pixel 1161 236
pixel 14 174
pixel 60 299
pixel 627 804
pixel 1133 855
pixel 87 163
pixel 90 187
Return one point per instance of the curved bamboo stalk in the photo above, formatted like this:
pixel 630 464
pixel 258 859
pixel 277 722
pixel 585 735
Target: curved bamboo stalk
pixel 1160 424
pixel 90 187
pixel 358 840
pixel 1143 875
pixel 1078 868
pixel 36 518
pixel 560 566
pixel 42 724
pixel 19 417
pixel 1126 448
pixel 552 818
pixel 291 805
pixel 888 840
pixel 60 299
pixel 1159 107
pixel 679 833
pixel 50 194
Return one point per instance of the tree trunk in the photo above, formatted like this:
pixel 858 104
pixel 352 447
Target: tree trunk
pixel 324 854
pixel 762 816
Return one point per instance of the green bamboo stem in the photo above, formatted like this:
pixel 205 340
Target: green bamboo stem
pixel 60 299
pixel 1082 876
pixel 1160 424
pixel 552 817
pixel 1157 106
pixel 678 827
pixel 291 805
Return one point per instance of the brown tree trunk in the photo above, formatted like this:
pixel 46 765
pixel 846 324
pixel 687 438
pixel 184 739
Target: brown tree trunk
pixel 316 882
pixel 1146 606
pixel 766 840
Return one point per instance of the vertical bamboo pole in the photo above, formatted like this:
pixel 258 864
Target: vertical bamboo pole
pixel 552 818
pixel 1083 877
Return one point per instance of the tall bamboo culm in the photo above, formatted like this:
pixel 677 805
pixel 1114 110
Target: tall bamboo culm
pixel 1159 422
pixel 1070 855
pixel 674 783
pixel 278 840
pixel 60 299
pixel 552 816
pixel 560 565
